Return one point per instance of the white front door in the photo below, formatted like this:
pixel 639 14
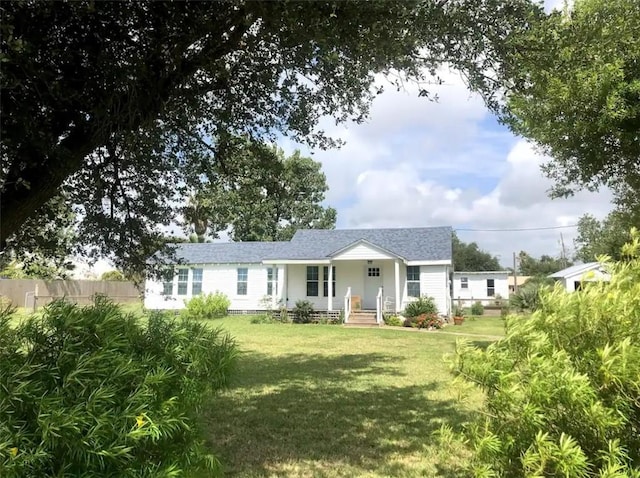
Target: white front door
pixel 372 282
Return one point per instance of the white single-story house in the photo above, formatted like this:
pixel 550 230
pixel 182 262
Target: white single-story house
pixel 517 281
pixel 573 277
pixel 484 286
pixel 333 269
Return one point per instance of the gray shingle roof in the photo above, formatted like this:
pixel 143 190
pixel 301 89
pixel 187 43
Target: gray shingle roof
pixel 228 252
pixel 411 244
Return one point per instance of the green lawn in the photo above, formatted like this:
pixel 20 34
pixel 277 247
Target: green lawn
pixel 480 325
pixel 327 401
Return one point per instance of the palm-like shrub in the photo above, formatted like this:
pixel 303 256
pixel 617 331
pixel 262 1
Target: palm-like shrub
pixel 422 305
pixel 303 312
pixel 90 392
pixel 563 387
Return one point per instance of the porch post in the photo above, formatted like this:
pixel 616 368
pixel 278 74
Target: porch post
pixel 330 287
pixel 396 276
pixel 285 286
pixel 274 285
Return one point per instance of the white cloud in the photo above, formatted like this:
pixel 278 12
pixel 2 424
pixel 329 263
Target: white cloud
pixel 557 4
pixel 420 163
pixel 397 197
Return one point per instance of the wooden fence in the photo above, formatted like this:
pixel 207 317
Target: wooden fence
pixel 33 293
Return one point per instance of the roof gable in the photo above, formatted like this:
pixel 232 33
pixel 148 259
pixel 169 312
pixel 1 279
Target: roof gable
pixel 578 269
pixel 362 249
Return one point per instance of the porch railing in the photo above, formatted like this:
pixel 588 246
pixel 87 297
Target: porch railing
pixel 347 305
pixel 379 306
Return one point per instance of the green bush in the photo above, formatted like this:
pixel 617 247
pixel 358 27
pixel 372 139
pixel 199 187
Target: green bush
pixel 562 388
pixel 113 275
pixel 422 305
pixel 527 299
pixel 93 392
pixel 477 308
pixel 392 320
pixel 207 306
pixel 505 311
pixel 303 312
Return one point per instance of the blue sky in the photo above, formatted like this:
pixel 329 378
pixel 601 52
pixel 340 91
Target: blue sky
pixel 420 163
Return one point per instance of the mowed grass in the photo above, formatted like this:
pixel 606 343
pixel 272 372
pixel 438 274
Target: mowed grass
pixel 480 325
pixel 329 401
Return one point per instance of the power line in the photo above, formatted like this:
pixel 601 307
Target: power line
pixel 517 229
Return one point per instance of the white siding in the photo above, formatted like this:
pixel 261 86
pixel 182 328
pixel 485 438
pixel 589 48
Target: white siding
pixel 477 287
pixel 434 282
pixel 221 278
pixel 589 276
pixel 348 274
pixel 292 285
pixel 362 252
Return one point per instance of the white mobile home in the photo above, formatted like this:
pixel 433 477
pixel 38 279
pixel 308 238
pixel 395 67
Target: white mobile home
pixel 330 268
pixel 573 277
pixel 485 286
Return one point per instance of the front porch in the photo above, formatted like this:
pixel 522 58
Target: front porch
pixel 362 277
pixel 347 286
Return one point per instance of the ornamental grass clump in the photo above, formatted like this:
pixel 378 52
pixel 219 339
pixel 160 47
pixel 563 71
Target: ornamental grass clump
pixel 90 391
pixel 563 387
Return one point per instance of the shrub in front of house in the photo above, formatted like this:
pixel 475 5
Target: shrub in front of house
pixel 94 392
pixel 477 308
pixel 206 307
pixel 562 388
pixel 424 321
pixel 422 305
pixel 392 320
pixel 303 312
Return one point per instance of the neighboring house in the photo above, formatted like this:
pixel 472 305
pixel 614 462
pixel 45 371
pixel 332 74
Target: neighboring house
pixel 573 277
pixel 517 280
pixel 485 286
pixel 333 269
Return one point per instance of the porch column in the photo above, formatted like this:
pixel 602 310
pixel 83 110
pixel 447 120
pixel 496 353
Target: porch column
pixel 285 288
pixel 396 276
pixel 274 285
pixel 330 288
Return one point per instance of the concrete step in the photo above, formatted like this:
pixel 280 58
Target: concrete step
pixel 362 318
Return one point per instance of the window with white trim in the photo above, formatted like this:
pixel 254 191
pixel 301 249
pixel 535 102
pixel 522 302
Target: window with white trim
pixel 325 283
pixel 270 279
pixel 243 280
pixel 491 287
pixel 413 281
pixel 373 271
pixel 167 285
pixel 183 281
pixel 196 281
pixel 464 282
pixel 312 281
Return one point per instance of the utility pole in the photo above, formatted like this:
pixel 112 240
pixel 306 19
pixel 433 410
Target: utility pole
pixel 564 254
pixel 515 274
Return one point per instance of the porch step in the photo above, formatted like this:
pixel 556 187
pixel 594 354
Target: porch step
pixel 362 318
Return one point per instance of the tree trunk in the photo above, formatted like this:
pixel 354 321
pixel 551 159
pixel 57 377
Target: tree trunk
pixel 26 190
